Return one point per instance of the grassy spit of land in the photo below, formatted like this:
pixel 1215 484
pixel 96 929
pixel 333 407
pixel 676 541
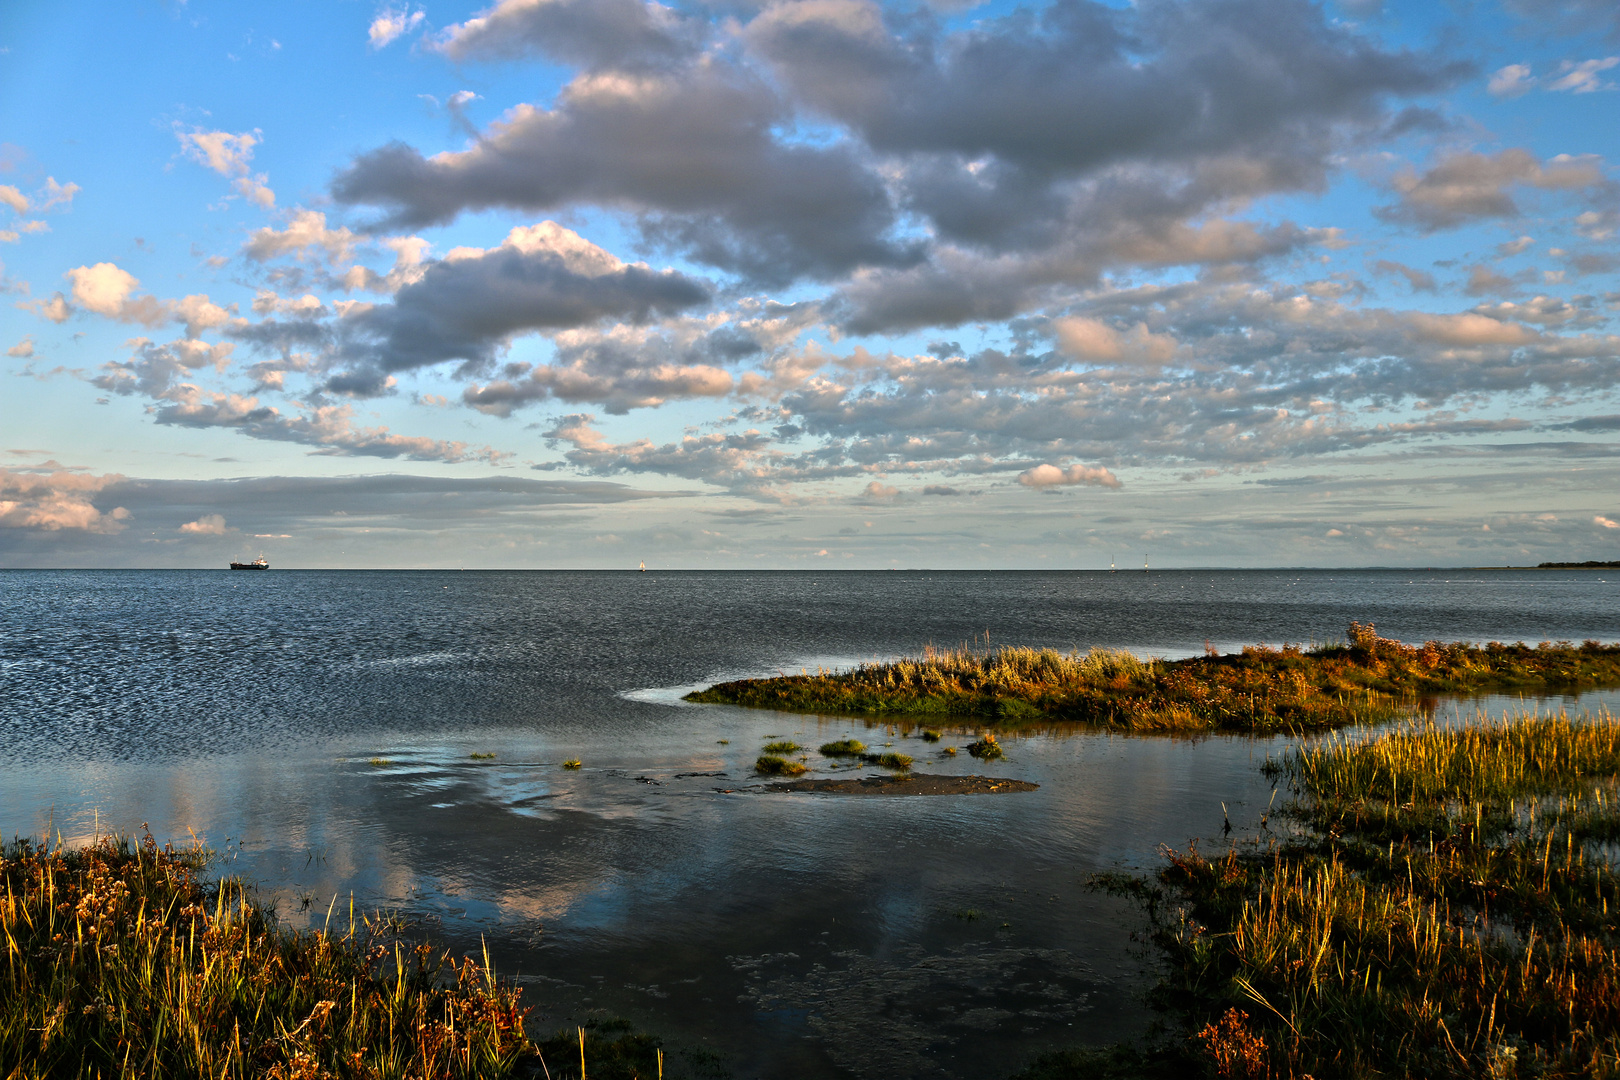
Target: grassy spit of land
pixel 1450 907
pixel 121 961
pixel 1290 689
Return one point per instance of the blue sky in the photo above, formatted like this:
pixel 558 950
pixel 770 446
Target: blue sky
pixel 815 283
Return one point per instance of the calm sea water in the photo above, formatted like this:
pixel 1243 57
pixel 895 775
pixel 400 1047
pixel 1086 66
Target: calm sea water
pixel 317 729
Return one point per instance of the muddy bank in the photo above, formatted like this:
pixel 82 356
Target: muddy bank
pixel 916 784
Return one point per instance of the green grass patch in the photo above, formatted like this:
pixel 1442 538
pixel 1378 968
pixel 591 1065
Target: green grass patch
pixel 843 748
pixel 573 763
pixel 782 746
pixel 1449 907
pixel 987 748
pixel 889 760
pixel 120 961
pixel 482 755
pixel 1290 689
pixel 775 765
pixel 928 735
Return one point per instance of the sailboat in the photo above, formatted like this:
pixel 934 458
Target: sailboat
pixel 643 567
pixel 1144 562
pixel 1112 569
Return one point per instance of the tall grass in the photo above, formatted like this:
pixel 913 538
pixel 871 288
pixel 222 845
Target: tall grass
pixel 120 962
pixel 1260 689
pixel 1449 908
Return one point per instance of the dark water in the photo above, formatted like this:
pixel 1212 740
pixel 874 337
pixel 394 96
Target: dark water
pixel 318 729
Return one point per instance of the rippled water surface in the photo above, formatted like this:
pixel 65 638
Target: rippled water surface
pixel 318 729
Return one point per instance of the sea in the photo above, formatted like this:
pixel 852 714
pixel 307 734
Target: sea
pixel 392 743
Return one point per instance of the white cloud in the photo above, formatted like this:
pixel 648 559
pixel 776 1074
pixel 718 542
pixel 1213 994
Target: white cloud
pixel 306 230
pixel 255 190
pixel 1607 523
pixel 221 151
pixel 23 349
pixel 207 525
pixel 56 309
pixel 57 194
pixel 1093 340
pixel 102 288
pixel 57 501
pixel 1583 77
pixel 13 198
pixel 1045 476
pixel 390 23
pixel 1511 81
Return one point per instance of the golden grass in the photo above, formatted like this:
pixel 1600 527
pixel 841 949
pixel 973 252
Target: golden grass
pixel 120 962
pixel 1449 909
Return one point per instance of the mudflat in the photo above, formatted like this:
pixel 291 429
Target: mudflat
pixel 914 784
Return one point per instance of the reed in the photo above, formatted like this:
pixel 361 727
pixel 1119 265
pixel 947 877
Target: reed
pixel 120 961
pixel 1449 906
pixel 1289 689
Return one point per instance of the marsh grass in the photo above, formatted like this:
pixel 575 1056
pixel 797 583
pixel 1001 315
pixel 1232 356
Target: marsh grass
pixel 573 763
pixel 929 735
pixel 482 755
pixel 987 748
pixel 782 746
pixel 1368 679
pixel 890 760
pixel 120 961
pixel 843 748
pixel 1447 908
pixel 775 765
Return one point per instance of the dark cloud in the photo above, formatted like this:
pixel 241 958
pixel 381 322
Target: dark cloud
pixel 467 306
pixel 692 153
pixel 1467 187
pixel 590 33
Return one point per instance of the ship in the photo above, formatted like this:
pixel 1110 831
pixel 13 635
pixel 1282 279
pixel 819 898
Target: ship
pixel 261 563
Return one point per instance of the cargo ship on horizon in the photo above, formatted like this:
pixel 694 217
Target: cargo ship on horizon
pixel 261 563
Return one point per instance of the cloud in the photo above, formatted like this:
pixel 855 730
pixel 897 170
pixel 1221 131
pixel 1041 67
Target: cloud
pixel 593 33
pixel 57 501
pixel 23 349
pixel 106 290
pixel 877 491
pixel 207 525
pixel 56 309
pixel 1583 77
pixel 469 304
pixel 1095 341
pixel 304 232
pixel 1511 81
pixel 1466 187
pixel 390 23
pixel 1607 523
pixel 1418 280
pixel 1047 476
pixel 13 198
pixel 221 151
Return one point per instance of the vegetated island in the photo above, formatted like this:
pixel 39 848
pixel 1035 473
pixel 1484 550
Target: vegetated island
pixel 1590 564
pixel 1290 689
pixel 1449 906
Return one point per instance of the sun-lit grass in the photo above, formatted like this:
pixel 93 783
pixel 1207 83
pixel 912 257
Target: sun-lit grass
pixel 782 746
pixel 120 961
pixel 1451 907
pixel 843 748
pixel 890 760
pixel 482 755
pixel 775 765
pixel 573 763
pixel 987 748
pixel 1262 688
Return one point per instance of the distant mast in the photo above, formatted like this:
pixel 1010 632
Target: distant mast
pixel 1112 569
pixel 643 567
pixel 1144 562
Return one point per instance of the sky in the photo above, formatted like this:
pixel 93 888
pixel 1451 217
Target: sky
pixel 809 284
